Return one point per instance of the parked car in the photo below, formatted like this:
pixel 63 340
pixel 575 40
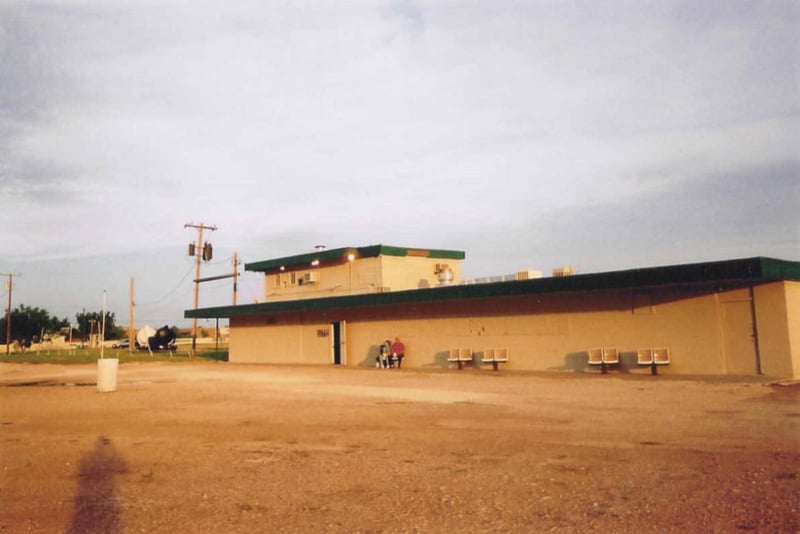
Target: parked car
pixel 121 344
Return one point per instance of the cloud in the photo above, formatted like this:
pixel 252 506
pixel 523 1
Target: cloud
pixel 523 133
pixel 702 217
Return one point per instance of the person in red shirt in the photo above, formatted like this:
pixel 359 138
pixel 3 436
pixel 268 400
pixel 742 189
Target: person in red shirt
pixel 398 351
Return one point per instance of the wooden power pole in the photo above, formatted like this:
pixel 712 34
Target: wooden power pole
pixel 10 288
pixel 132 324
pixel 235 277
pixel 199 251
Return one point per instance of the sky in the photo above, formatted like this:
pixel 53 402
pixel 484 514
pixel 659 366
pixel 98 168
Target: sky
pixel 601 134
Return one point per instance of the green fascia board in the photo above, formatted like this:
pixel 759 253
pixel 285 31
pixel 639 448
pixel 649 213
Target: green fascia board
pixel 776 269
pixel 303 261
pixel 715 276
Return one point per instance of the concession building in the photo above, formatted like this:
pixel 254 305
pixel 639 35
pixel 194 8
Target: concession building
pixel 732 317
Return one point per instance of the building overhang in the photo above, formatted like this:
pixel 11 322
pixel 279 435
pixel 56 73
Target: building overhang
pixel 710 276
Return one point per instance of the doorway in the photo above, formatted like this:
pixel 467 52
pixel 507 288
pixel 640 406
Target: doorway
pixel 338 352
pixel 739 338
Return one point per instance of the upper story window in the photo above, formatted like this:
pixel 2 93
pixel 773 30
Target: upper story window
pixel 284 280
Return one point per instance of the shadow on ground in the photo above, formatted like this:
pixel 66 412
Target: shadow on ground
pixel 96 506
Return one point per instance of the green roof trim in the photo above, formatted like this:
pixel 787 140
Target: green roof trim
pixel 716 275
pixel 339 255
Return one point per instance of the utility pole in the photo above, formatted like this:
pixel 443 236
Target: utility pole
pixel 91 333
pixel 132 315
pixel 235 277
pixel 10 287
pixel 202 251
pixel 103 327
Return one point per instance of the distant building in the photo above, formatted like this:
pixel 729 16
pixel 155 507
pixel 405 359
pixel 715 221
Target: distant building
pixel 356 271
pixel 732 317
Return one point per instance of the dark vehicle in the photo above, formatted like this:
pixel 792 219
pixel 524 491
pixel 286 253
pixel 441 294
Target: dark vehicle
pixel 163 340
pixel 121 344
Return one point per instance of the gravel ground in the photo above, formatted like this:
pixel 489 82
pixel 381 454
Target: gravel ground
pixel 215 447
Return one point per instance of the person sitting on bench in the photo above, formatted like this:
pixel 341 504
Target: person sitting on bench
pixel 384 355
pixel 398 351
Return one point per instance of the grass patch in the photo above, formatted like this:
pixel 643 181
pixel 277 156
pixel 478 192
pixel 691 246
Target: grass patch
pixel 65 356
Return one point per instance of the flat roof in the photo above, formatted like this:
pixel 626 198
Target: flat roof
pixel 337 256
pixel 716 275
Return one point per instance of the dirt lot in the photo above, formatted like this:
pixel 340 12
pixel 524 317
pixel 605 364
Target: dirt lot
pixel 216 447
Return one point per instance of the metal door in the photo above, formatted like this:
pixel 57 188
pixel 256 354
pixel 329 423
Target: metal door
pixel 739 341
pixel 338 346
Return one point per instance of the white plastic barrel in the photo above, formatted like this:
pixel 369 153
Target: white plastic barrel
pixel 107 374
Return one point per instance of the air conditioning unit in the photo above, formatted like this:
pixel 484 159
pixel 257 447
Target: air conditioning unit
pixel 444 274
pixel 528 275
pixel 310 277
pixel 569 270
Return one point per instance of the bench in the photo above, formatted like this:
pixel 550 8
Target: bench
pixel 603 357
pixel 653 358
pixel 495 357
pixel 460 357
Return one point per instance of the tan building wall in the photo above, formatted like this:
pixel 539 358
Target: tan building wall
pixel 255 341
pixel 706 333
pixel 778 326
pixel 360 276
pixel 416 273
pixel 793 321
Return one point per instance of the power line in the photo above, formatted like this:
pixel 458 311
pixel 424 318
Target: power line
pixel 171 291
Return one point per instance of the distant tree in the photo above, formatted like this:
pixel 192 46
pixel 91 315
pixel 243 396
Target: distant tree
pixel 30 324
pixel 120 332
pixel 91 322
